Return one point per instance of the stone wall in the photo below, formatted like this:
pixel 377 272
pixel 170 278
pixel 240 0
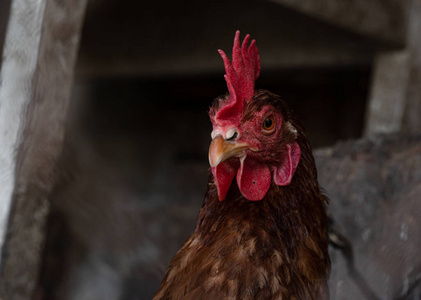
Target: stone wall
pixel 374 187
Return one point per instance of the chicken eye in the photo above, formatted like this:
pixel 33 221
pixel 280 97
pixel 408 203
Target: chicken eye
pixel 269 123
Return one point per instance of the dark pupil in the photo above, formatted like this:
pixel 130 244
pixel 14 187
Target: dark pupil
pixel 268 123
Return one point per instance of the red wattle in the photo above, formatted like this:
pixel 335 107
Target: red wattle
pixel 253 179
pixel 223 175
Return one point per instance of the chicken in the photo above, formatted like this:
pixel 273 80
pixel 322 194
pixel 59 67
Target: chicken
pixel 262 230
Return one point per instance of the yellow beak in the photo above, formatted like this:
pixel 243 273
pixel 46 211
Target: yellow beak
pixel 221 150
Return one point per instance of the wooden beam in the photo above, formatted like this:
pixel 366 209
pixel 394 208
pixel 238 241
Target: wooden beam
pixel 412 113
pixel 387 93
pixel 384 21
pixel 38 61
pixel 395 97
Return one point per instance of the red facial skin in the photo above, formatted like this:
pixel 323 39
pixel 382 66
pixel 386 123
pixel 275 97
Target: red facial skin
pixel 254 167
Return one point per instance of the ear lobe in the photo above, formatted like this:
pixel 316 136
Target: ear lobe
pixel 283 173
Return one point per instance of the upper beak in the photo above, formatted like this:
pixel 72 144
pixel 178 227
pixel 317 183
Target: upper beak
pixel 221 150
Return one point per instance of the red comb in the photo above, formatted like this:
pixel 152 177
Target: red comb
pixel 240 77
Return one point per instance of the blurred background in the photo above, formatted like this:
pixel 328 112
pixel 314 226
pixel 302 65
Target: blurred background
pixel 134 168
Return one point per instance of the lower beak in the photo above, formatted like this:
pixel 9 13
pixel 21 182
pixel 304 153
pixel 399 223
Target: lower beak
pixel 221 150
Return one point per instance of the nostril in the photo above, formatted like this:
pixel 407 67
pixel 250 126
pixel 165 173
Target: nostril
pixel 233 138
pixel 231 134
